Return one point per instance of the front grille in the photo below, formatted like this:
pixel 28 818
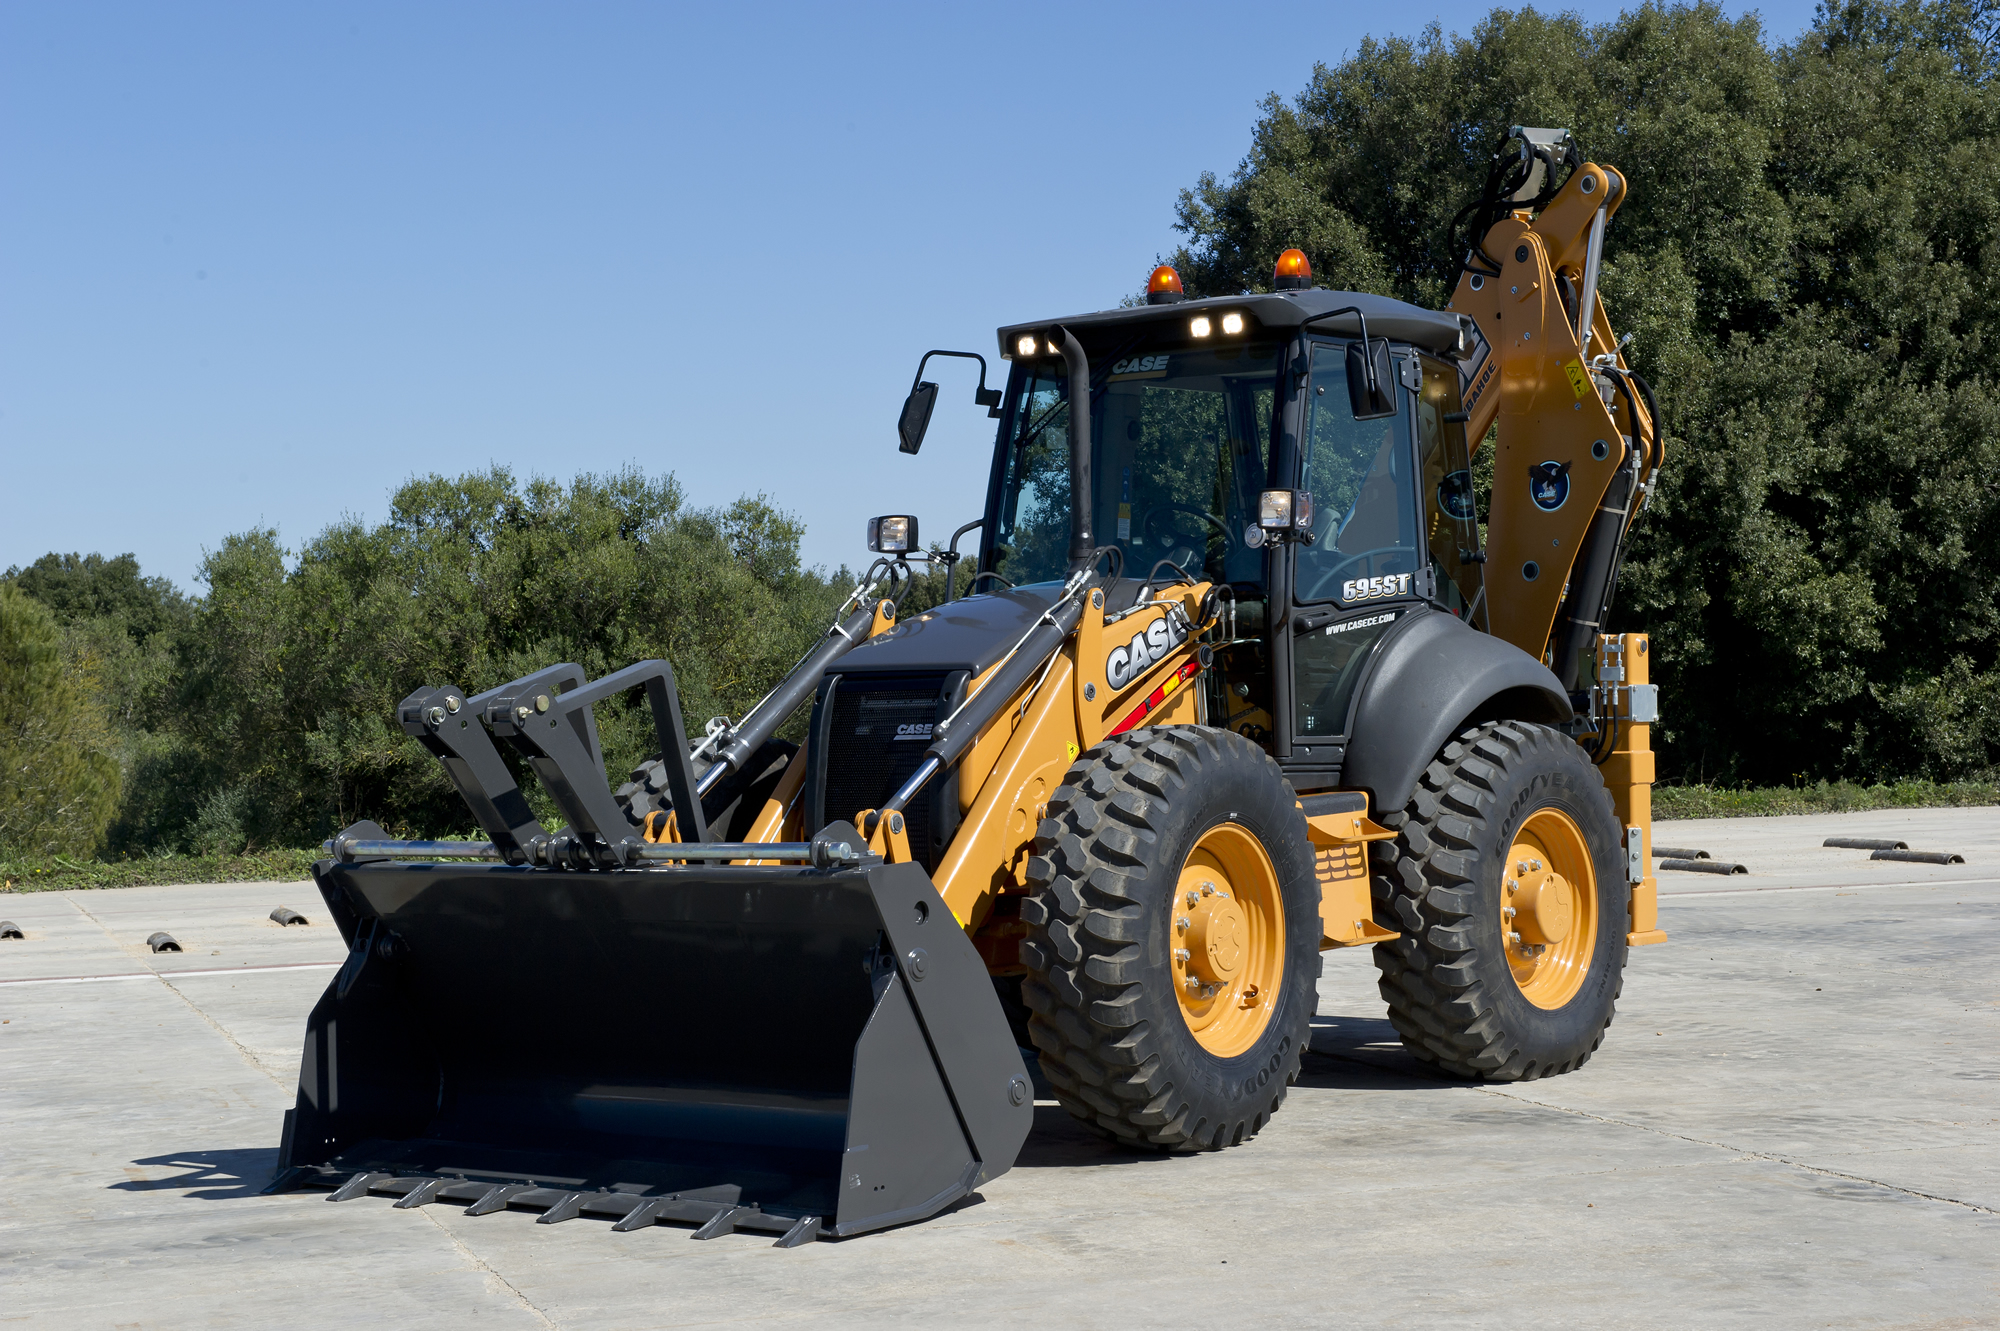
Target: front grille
pixel 872 732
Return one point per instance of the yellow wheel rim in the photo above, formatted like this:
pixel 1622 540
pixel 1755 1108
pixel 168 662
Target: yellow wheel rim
pixel 1228 934
pixel 1548 908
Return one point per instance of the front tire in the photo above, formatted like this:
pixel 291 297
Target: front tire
pixel 1508 884
pixel 1173 947
pixel 730 810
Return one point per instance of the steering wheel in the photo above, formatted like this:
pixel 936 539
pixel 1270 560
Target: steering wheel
pixel 1319 587
pixel 1147 533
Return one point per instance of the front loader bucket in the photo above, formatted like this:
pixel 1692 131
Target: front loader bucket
pixel 784 1049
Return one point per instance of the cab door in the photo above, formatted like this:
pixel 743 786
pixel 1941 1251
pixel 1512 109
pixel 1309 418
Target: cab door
pixel 1369 562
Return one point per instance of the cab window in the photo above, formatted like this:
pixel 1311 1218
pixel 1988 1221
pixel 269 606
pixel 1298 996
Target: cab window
pixel 1366 542
pixel 1451 524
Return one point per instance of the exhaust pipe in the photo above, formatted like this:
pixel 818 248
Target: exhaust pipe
pixel 1082 540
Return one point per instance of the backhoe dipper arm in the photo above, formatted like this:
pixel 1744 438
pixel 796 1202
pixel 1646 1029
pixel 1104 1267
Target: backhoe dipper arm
pixel 1566 477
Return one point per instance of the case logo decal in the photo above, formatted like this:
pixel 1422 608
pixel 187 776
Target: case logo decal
pixel 1548 485
pixel 1127 663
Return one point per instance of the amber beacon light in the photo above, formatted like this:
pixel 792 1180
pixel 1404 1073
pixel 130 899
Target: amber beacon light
pixel 1293 272
pixel 1164 286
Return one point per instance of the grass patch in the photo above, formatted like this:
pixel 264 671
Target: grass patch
pixel 55 873
pixel 1826 797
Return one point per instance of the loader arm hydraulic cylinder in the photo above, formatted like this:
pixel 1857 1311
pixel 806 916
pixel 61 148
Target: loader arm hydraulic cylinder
pixel 765 718
pixel 957 732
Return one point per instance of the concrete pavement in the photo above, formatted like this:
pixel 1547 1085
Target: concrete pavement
pixel 1795 1121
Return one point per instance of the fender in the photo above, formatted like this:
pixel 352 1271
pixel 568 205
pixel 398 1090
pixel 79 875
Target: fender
pixel 1431 677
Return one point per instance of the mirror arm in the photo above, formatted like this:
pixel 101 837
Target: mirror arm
pixel 1374 388
pixel 982 396
pixel 951 556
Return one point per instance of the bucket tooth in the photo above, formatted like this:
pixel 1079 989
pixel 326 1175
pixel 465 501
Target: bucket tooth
pixel 286 1180
pixel 421 1195
pixel 804 1230
pixel 569 1208
pixel 643 1216
pixel 358 1186
pixel 722 1222
pixel 497 1197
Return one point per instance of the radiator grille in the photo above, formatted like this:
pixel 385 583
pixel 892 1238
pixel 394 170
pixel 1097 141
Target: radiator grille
pixel 876 733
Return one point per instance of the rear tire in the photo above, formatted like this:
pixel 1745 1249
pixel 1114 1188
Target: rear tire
pixel 1160 1023
pixel 730 809
pixel 1471 990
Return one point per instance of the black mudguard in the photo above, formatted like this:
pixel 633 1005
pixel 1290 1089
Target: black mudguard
pixel 1431 677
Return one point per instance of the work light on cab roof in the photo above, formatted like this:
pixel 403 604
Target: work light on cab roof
pixel 1293 273
pixel 1164 286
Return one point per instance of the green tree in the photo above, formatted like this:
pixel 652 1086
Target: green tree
pixel 288 678
pixel 1808 264
pixel 59 780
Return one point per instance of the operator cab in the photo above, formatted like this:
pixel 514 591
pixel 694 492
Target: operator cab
pixel 1200 411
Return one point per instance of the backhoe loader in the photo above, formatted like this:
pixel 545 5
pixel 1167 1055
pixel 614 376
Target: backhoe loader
pixel 1238 676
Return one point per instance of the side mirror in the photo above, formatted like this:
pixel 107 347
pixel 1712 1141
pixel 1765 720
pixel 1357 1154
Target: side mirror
pixel 923 396
pixel 917 415
pixel 1371 384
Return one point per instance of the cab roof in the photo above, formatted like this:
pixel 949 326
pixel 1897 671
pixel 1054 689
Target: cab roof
pixel 1400 321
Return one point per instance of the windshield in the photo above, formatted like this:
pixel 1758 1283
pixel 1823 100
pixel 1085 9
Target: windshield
pixel 1180 445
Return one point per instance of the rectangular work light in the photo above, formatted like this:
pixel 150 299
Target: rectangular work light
pixel 895 534
pixel 1285 510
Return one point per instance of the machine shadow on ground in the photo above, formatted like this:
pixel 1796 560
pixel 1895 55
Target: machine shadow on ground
pixel 210 1176
pixel 1363 1054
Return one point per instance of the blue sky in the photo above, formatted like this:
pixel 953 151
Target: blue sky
pixel 259 264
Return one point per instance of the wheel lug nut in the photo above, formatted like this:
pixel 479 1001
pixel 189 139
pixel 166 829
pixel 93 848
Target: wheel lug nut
pixel 1508 912
pixel 1193 899
pixel 1182 923
pixel 1193 985
pixel 1208 889
pixel 1514 938
pixel 1180 954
